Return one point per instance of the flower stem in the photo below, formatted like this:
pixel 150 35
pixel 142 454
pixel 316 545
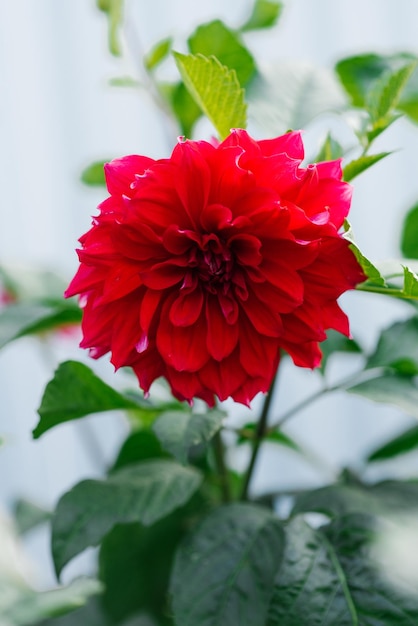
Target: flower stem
pixel 222 470
pixel 258 438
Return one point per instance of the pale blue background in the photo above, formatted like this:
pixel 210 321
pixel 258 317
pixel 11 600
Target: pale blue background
pixel 57 114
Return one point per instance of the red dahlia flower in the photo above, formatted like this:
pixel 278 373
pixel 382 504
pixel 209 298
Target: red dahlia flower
pixel 200 268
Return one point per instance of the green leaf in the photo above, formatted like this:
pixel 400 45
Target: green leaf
pixel 264 15
pixel 158 53
pixel 145 493
pixel 114 10
pixel 23 319
pixel 356 167
pixel 179 432
pixel 135 564
pixel 309 92
pixel 388 499
pixel 373 275
pixel 139 446
pixel 330 150
pixel 27 515
pixel 29 607
pixel 116 81
pixel 215 89
pixel 335 342
pixel 330 576
pixel 185 108
pixel 224 572
pixel 387 388
pixel 94 175
pixel 405 442
pixel 247 433
pixel 216 39
pixel 74 392
pixel 397 348
pixel 409 237
pixel 386 93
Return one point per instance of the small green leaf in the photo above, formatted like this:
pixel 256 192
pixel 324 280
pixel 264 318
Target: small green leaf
pixel 145 493
pixel 158 53
pixel 215 89
pixel 389 388
pixel 397 348
pixel 27 515
pixel 139 446
pixel 118 81
pixel 30 607
pixel 405 442
pixel 330 150
pixel 410 287
pixel 114 10
pixel 356 167
pixel 386 92
pixel 94 175
pixel 224 572
pixel 247 433
pixel 179 432
pixel 74 392
pixel 409 237
pixel 23 319
pixel 336 342
pixel 216 39
pixel 371 271
pixel 331 575
pixel 265 14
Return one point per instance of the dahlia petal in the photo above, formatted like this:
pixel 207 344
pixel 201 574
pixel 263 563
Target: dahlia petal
pixel 246 249
pixel 120 173
pixel 85 279
pixel 148 366
pixel 183 348
pixel 186 308
pixel 127 333
pixel 165 274
pixel 215 217
pixel 138 243
pixel 224 377
pixel 277 299
pixel 262 318
pixel 193 182
pixel 334 317
pixel 120 280
pixel 290 143
pixel 258 355
pixel 304 324
pixel 304 354
pixel 149 305
pixel 240 137
pixel 285 281
pixel 187 385
pixel 178 241
pixel 222 337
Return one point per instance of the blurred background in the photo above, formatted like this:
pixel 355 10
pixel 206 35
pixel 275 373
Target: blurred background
pixel 58 113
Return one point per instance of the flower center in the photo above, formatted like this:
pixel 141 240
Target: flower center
pixel 214 263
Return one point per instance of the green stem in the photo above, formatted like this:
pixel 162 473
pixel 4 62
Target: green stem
pixel 387 291
pixel 258 438
pixel 222 470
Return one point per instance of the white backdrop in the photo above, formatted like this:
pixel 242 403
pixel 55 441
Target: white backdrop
pixel 57 114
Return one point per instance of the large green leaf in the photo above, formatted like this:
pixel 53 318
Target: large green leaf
pixel 145 493
pixel 290 95
pixel 405 442
pixel 140 445
pixel 224 572
pixel 388 499
pixel 386 92
pixel 389 388
pixel 93 175
pixel 75 391
pixel 265 14
pixel 23 319
pixel 184 107
pixel 215 89
pixel 397 348
pixel 409 237
pixel 216 39
pixel 178 432
pixel 331 577
pixel 22 606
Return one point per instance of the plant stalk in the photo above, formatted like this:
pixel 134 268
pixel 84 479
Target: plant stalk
pixel 258 438
pixel 222 470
